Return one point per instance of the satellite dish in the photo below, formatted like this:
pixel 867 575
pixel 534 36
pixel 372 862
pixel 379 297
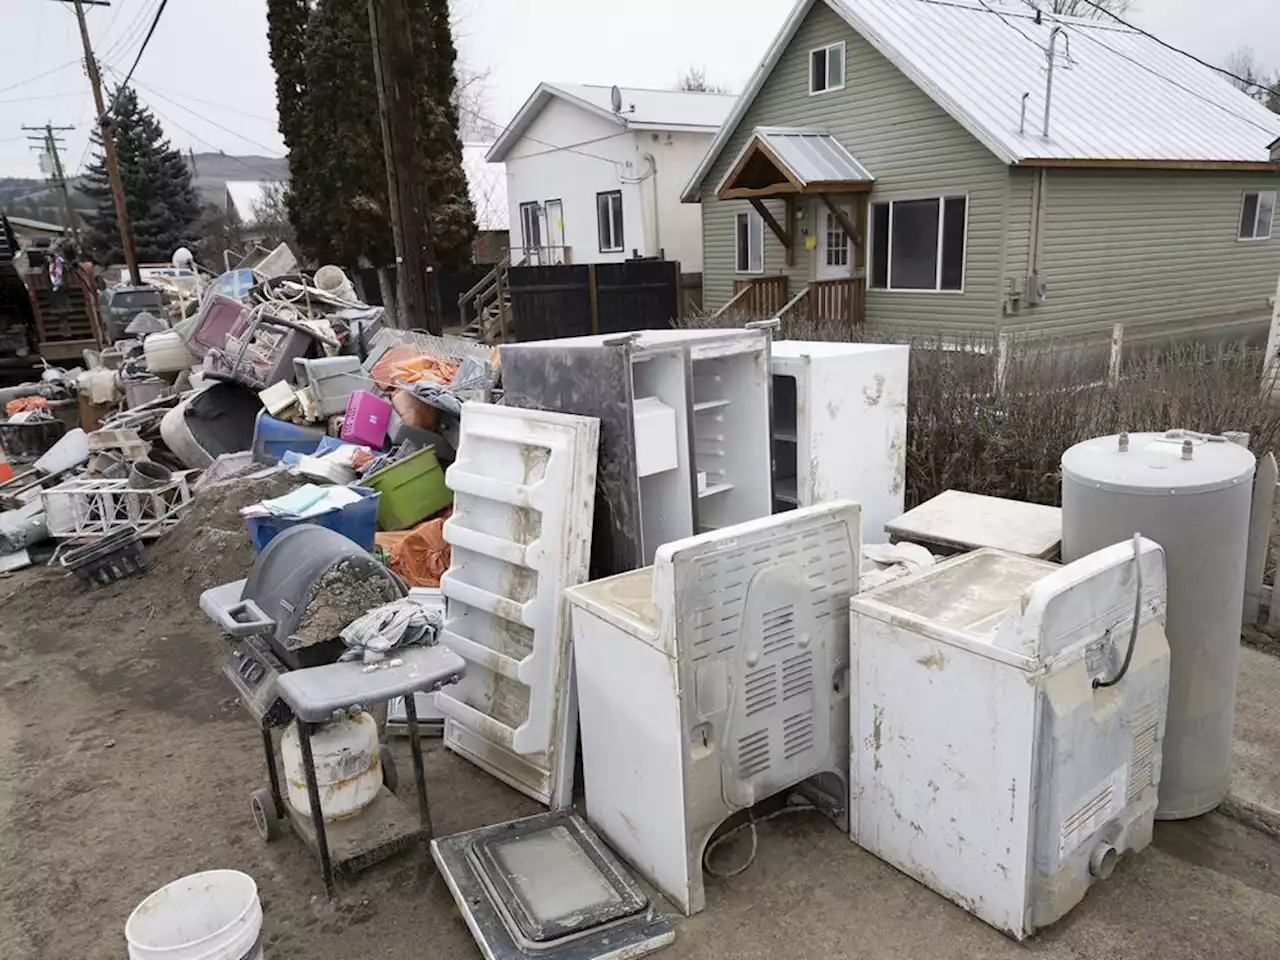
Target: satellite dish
pixel 615 97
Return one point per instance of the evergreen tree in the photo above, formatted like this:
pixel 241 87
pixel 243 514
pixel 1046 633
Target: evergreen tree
pixel 328 100
pixel 287 36
pixel 453 218
pixel 159 197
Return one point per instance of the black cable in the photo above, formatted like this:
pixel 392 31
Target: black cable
pixel 1137 611
pixel 141 50
pixel 1191 56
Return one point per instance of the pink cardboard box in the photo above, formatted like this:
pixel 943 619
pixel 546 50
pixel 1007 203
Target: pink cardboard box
pixel 366 419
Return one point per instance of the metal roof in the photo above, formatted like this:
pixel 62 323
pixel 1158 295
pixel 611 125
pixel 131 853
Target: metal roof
pixel 809 156
pixel 487 185
pixel 1118 95
pixel 43 226
pixel 675 110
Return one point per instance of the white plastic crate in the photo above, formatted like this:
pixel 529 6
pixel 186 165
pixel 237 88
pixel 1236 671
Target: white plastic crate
pixel 92 507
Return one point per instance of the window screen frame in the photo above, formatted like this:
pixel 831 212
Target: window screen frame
pixel 755 226
pixel 617 227
pixel 826 49
pixel 937 288
pixel 1255 237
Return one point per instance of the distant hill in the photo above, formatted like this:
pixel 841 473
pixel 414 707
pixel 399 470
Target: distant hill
pixel 27 197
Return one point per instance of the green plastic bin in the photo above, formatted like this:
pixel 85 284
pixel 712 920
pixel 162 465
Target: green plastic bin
pixel 412 490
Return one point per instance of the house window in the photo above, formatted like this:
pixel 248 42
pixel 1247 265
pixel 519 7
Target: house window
pixel 609 215
pixel 530 227
pixel 749 243
pixel 837 243
pixel 826 68
pixel 918 244
pixel 1255 215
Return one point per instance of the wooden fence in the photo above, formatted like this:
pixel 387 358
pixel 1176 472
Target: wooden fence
pixel 582 299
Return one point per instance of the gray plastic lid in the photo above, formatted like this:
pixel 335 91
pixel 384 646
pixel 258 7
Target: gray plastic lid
pixel 1154 464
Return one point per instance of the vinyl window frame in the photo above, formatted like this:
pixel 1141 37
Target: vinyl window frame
pixel 844 67
pixel 942 199
pixel 755 229
pixel 533 210
pixel 617 237
pixel 1244 199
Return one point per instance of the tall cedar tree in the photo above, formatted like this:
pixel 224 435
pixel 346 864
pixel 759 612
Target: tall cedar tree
pixel 162 204
pixel 329 119
pixel 287 36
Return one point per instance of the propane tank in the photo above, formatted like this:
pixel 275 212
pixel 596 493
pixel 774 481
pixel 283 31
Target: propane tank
pixel 348 766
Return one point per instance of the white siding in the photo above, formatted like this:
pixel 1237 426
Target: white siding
pixel 602 156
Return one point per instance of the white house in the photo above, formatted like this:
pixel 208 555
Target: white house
pixel 594 173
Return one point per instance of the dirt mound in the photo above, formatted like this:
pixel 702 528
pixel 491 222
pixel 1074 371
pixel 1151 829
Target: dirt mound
pixel 211 545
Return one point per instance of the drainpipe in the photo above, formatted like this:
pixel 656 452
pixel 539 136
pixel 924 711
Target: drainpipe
pixel 657 226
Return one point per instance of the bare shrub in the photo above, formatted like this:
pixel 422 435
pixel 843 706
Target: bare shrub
pixel 967 432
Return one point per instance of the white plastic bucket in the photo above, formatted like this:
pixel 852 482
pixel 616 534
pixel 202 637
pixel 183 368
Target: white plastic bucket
pixel 334 282
pixel 214 915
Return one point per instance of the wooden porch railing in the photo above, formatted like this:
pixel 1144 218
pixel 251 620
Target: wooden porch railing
pixel 765 295
pixel 842 301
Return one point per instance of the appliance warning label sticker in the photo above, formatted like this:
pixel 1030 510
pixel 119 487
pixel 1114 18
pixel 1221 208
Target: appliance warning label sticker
pixel 1097 807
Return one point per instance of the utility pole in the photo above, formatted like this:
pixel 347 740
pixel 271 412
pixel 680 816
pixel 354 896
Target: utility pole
pixel 108 145
pixel 396 65
pixel 49 143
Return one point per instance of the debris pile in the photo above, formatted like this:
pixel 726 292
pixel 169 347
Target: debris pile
pixel 226 411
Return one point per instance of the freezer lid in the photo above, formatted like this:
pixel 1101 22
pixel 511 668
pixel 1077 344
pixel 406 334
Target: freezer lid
pixel 963 600
pixel 547 886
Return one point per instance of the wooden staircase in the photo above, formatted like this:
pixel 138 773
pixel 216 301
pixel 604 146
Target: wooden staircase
pixel 485 309
pixel 66 318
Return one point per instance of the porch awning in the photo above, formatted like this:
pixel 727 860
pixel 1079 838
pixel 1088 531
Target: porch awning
pixel 792 161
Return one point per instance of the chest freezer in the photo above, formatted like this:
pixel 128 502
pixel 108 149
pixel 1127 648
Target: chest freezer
pixel 1005 745
pixel 712 680
pixel 684 429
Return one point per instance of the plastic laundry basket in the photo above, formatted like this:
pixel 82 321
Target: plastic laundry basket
pixel 412 490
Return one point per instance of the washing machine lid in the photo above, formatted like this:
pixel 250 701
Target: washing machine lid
pixel 547 886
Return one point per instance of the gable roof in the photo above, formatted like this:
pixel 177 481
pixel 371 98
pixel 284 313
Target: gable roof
pixel 1119 97
pixel 674 110
pixel 805 158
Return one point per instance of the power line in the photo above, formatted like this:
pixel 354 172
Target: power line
pixel 1010 24
pixel 234 133
pixel 42 96
pixel 130 33
pixel 1190 56
pixel 1169 80
pixel 555 147
pixel 199 139
pixel 152 85
pixel 39 76
pixel 141 50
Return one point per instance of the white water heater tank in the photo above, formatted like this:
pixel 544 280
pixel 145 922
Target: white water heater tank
pixel 1191 494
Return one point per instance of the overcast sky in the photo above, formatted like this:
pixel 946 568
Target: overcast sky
pixel 208 77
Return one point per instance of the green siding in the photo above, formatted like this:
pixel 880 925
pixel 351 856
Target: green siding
pixel 1153 249
pixel 907 142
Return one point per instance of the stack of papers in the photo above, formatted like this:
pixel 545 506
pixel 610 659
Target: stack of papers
pixel 307 501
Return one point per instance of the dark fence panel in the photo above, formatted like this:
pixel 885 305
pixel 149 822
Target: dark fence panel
pixel 638 295
pixel 556 301
pixel 550 302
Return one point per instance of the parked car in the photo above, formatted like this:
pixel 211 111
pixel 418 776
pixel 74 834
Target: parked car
pixel 120 304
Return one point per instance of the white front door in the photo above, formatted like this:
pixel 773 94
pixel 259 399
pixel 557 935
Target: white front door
pixel 835 247
pixel 555 231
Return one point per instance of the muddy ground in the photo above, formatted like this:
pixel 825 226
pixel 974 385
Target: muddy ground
pixel 125 763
